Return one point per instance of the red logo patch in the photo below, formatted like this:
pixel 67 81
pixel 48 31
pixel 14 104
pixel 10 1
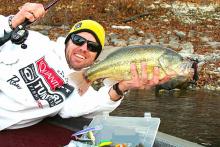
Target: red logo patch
pixel 49 74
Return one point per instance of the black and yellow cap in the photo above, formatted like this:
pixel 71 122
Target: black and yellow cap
pixel 90 26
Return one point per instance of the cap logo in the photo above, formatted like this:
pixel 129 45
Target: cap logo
pixel 78 25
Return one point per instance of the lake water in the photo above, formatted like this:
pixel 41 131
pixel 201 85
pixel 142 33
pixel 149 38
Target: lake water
pixel 191 115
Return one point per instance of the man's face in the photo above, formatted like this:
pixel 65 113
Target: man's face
pixel 77 56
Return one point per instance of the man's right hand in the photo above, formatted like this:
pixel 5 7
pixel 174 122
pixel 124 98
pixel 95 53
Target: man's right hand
pixel 30 11
pixel 139 81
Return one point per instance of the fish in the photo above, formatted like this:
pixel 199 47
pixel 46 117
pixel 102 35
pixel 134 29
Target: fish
pixel 116 66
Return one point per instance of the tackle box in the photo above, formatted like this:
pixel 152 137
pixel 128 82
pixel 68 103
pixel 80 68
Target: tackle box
pixel 131 131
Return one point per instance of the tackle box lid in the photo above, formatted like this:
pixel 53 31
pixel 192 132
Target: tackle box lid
pixel 131 131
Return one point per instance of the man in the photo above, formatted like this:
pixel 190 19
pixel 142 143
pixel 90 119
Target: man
pixel 34 82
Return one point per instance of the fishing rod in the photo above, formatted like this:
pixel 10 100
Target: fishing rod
pixel 20 33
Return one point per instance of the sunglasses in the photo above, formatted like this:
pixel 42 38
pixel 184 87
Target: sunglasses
pixel 79 40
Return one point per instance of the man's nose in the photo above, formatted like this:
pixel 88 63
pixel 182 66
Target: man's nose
pixel 84 47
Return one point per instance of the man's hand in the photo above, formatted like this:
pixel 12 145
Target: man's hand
pixel 142 82
pixel 30 11
pixel 139 82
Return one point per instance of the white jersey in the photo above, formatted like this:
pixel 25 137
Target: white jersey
pixel 34 83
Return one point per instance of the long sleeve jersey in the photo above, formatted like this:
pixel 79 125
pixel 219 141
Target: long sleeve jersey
pixel 34 83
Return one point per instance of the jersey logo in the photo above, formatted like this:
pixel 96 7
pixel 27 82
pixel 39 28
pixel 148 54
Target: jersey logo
pixel 14 81
pixel 49 74
pixel 45 84
pixel 38 88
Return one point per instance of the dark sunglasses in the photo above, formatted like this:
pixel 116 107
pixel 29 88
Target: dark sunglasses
pixel 79 40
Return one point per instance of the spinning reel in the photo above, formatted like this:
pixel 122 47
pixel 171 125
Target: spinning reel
pixel 20 33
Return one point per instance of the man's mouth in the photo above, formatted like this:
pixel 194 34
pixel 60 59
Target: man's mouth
pixel 80 56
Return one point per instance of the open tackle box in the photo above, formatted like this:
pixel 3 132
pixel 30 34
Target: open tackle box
pixel 114 131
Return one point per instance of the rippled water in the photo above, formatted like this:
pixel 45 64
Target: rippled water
pixel 191 115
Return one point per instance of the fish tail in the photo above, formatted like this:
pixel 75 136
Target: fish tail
pixel 80 81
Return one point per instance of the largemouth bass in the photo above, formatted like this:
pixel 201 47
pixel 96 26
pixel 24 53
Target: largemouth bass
pixel 116 66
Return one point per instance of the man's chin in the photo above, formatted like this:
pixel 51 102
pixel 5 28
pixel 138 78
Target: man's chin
pixel 76 67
